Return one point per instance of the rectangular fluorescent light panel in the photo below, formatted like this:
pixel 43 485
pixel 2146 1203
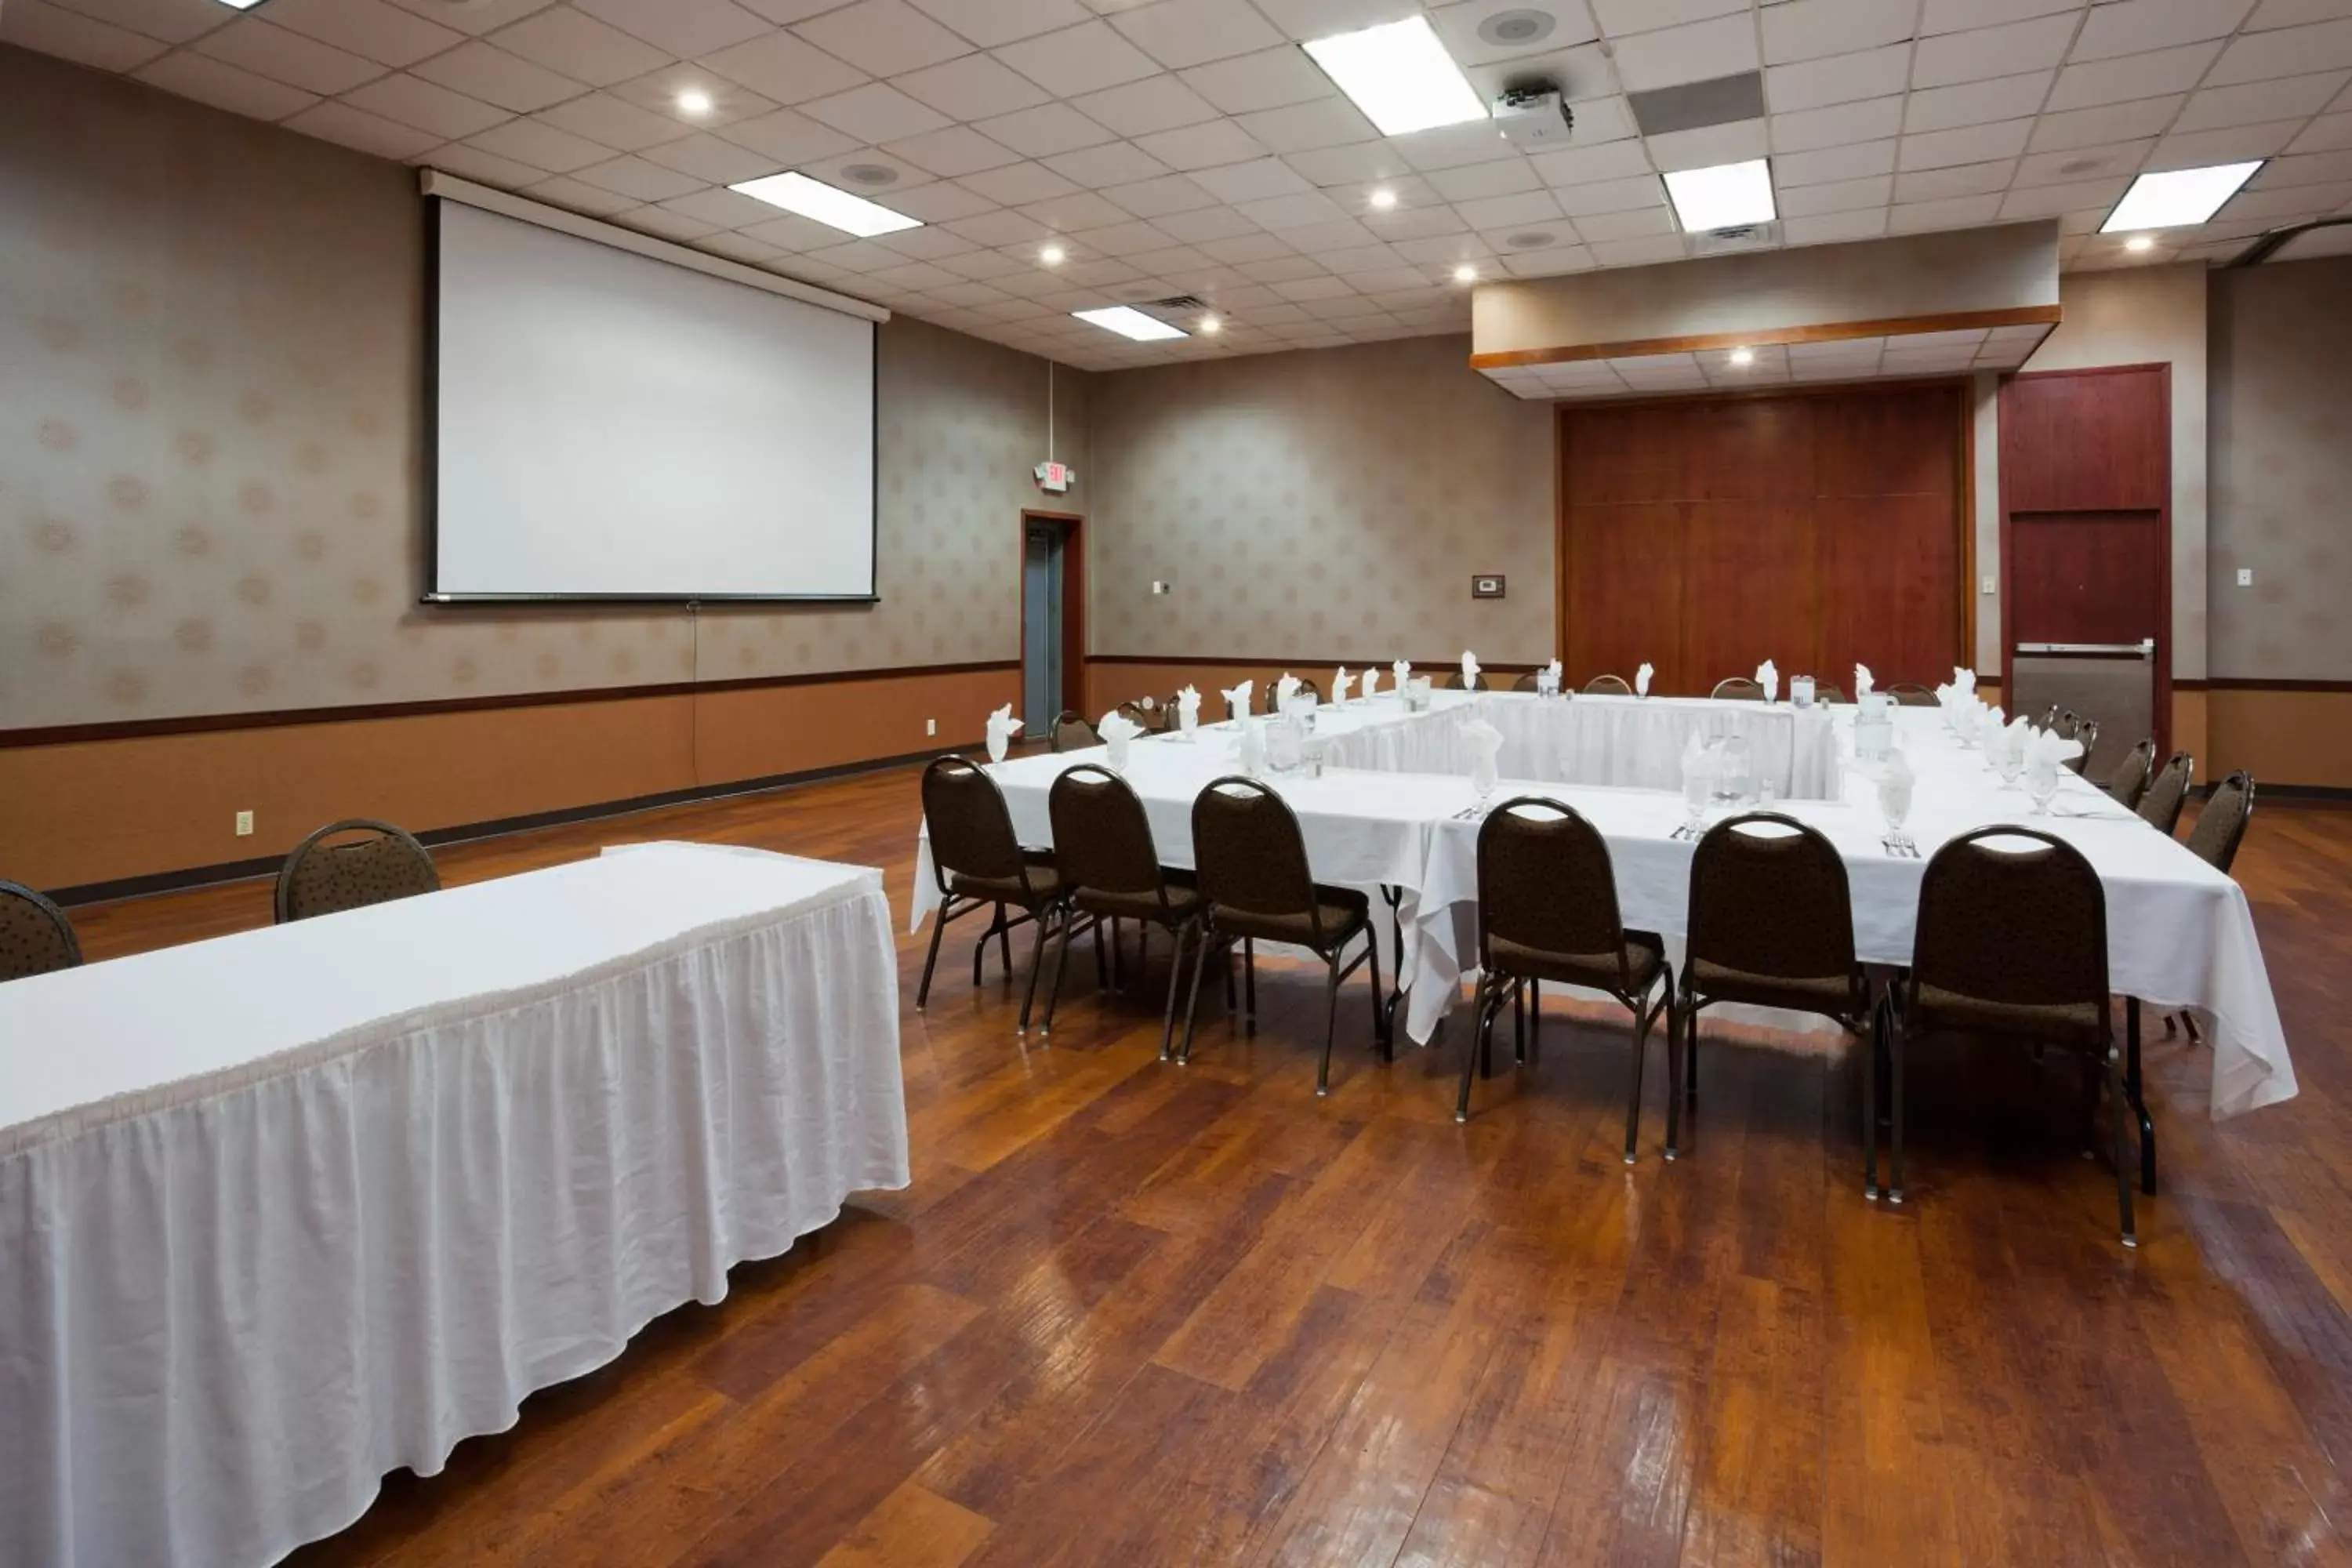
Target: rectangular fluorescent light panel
pixel 1130 322
pixel 1725 196
pixel 813 198
pixel 2177 196
pixel 1400 76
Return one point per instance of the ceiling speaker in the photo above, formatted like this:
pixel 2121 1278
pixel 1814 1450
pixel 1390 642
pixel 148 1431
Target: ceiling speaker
pixel 1516 29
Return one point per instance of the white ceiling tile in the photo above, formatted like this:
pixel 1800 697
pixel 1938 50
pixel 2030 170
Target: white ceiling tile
pixel 1837 196
pixel 381 32
pixel 1583 74
pixel 356 128
pixel 1528 208
pixel 1252 181
pixel 2092 82
pixel 225 86
pixel 1139 108
pixel 485 72
pixel 1442 250
pixel 1459 27
pixel 2288 202
pixel 1473 181
pixel 1840 125
pixel 1696 52
pixel 1179 33
pixel 740 248
pixel 411 101
pixel 1068 214
pixel 685 29
pixel 623 127
pixel 1081 59
pixel 988 23
pixel 255 44
pixel 928 244
pixel 1451 146
pixel 2104 125
pixel 2255 103
pixel 2329 133
pixel 2135 26
pixel 1201 146
pixel 2057 168
pixel 999 228
pixel 970 87
pixel 785 69
pixel 876 112
pixel 713 159
pixel 488 168
pixel 1838 78
pixel 84 40
pixel 1976 103
pixel 1204 225
pixel 1711 146
pixel 543 147
pixel 2232 144
pixel 660 90
pixel 173 21
pixel 668 224
pixel 721 209
pixel 2295 13
pixel 1625 224
pixel 1125 240
pixel 1267 80
pixel 1114 163
pixel 1358 164
pixel 1303 127
pixel 941 201
pixel 1611 195
pixel 1049 128
pixel 788 136
pixel 2290 51
pixel 1832 228
pixel 1967 144
pixel 1957 180
pixel 1639 252
pixel 1290 211
pixel 835 170
pixel 2055 200
pixel 634 176
pixel 571 43
pixel 1433 220
pixel 1956 212
pixel 1983 52
pixel 1853 162
pixel 2302 169
pixel 883 36
pixel 1582 165
pixel 1155 198
pixel 954 151
pixel 1016 184
pixel 1808 29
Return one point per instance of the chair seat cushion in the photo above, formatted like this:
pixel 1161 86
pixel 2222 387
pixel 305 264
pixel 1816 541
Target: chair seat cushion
pixel 2062 1022
pixel 1837 995
pixel 1044 883
pixel 1644 956
pixel 1183 900
pixel 1341 910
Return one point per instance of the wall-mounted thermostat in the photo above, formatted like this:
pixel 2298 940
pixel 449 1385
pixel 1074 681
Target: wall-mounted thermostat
pixel 1486 586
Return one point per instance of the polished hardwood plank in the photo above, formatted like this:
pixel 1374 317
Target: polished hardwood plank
pixel 1133 1313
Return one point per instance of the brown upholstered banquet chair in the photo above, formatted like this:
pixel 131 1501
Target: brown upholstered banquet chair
pixel 2068 725
pixel 1738 689
pixel 1911 694
pixel 1548 910
pixel 35 937
pixel 1771 924
pixel 2128 782
pixel 377 864
pixel 1145 712
pixel 2221 827
pixel 2050 720
pixel 2012 942
pixel 2086 731
pixel 1253 875
pixel 1110 870
pixel 981 865
pixel 1529 681
pixel 1070 732
pixel 1608 686
pixel 2168 792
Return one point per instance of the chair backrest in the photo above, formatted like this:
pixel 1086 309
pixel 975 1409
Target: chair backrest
pixel 2086 731
pixel 2023 924
pixel 1102 840
pixel 1610 686
pixel 1249 854
pixel 1545 882
pixel 2222 825
pixel 970 828
pixel 382 863
pixel 1769 895
pixel 1071 732
pixel 2050 720
pixel 2168 792
pixel 35 937
pixel 2069 725
pixel 1307 684
pixel 1134 712
pixel 1528 681
pixel 1911 694
pixel 1453 681
pixel 2130 782
pixel 1738 689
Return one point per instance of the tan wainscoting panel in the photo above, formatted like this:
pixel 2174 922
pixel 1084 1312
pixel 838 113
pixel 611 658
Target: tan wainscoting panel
pixel 2281 736
pixel 86 811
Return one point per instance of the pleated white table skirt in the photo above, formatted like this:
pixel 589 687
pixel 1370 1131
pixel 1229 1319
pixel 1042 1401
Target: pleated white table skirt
pixel 284 1211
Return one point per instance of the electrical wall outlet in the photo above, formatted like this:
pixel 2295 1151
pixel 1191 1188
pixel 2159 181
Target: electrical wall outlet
pixel 931 726
pixel 1991 585
pixel 245 825
pixel 2245 576
pixel 1160 587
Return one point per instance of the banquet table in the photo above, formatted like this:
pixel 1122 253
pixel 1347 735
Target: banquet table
pixel 286 1210
pixel 2180 933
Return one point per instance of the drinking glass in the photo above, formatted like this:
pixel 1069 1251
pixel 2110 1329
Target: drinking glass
pixel 2011 764
pixel 1895 805
pixel 2042 788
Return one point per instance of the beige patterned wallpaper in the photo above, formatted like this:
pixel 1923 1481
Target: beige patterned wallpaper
pixel 210 481
pixel 1321 503
pixel 2282 475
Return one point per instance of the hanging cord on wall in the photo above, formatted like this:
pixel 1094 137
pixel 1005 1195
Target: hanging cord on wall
pixel 1049 411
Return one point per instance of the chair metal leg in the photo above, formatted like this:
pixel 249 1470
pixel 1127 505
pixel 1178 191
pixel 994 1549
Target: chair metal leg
pixel 1535 1020
pixel 1394 898
pixel 996 928
pixel 1383 1032
pixel 1036 963
pixel 1117 968
pixel 1634 1091
pixel 1489 1000
pixel 2189 1022
pixel 1520 1023
pixel 1330 1027
pixel 930 961
pixel 1061 957
pixel 1249 975
pixel 1690 1045
pixel 1192 996
pixel 1675 1027
pixel 2123 1171
pixel 1895 1051
pixel 1175 974
pixel 1004 942
pixel 1487 1035
pixel 2138 1087
pixel 1870 1050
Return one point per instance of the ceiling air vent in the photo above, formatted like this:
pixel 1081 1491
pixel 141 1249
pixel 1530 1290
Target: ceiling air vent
pixel 1175 302
pixel 1741 236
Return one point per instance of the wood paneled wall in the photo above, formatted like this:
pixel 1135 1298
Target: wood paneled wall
pixel 1816 528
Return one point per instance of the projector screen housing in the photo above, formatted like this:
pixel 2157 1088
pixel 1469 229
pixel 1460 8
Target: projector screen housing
pixel 604 425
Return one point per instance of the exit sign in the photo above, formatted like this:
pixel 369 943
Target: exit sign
pixel 1054 477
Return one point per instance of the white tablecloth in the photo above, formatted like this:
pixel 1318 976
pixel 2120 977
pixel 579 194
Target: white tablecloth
pixel 287 1210
pixel 2180 932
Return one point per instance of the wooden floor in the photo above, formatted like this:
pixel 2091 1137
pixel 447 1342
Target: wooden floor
pixel 1134 1314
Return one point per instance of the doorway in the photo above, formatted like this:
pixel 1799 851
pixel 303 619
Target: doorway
pixel 1053 614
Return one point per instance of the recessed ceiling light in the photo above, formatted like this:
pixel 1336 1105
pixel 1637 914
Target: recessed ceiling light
pixel 2177 196
pixel 1383 199
pixel 2139 242
pixel 1743 357
pixel 837 209
pixel 1129 322
pixel 1210 326
pixel 240 4
pixel 1465 273
pixel 1400 76
pixel 1725 196
pixel 1053 256
pixel 694 100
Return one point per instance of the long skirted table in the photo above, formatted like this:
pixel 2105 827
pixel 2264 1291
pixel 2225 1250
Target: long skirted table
pixel 2180 933
pixel 284 1211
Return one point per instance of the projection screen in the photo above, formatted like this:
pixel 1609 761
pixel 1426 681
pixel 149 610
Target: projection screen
pixel 608 426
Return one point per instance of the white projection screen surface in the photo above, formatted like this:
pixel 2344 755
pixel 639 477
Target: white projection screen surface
pixel 607 426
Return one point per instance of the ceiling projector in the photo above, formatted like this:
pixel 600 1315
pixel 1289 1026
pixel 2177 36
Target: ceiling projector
pixel 1534 117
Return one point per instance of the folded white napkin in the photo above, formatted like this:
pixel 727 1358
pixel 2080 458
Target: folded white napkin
pixel 1116 730
pixel 1340 684
pixel 1895 782
pixel 1862 682
pixel 1284 690
pixel 1237 699
pixel 1964 679
pixel 1469 670
pixel 1401 670
pixel 2048 749
pixel 1642 679
pixel 1188 711
pixel 2013 740
pixel 1552 670
pixel 1992 726
pixel 1767 676
pixel 1371 679
pixel 1485 744
pixel 1002 727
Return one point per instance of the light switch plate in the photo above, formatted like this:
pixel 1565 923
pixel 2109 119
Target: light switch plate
pixel 2245 576
pixel 1991 585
